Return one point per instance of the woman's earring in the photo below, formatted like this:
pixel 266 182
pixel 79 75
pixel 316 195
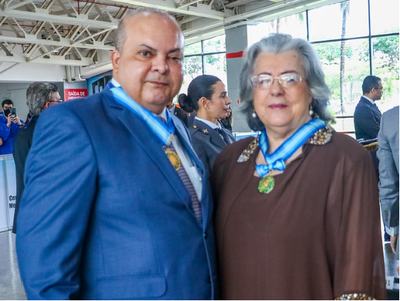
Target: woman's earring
pixel 311 112
pixel 254 115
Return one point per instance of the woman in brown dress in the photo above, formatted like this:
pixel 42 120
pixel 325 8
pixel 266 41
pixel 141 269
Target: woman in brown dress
pixel 297 209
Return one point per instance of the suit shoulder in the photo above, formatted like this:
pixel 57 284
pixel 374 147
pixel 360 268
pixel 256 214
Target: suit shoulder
pixel 392 114
pixel 199 128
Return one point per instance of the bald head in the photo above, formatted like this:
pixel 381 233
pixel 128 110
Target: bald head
pixel 143 11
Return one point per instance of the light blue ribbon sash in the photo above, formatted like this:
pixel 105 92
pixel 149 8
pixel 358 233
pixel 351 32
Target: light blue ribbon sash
pixel 277 159
pixel 163 131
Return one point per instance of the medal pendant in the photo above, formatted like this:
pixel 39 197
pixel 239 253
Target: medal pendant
pixel 266 184
pixel 174 159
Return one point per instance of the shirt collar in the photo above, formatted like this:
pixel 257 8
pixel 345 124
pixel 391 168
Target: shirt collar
pixel 370 100
pixel 209 123
pixel 115 83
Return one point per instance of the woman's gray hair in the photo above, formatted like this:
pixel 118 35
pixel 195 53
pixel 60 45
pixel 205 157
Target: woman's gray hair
pixel 120 35
pixel 38 94
pixel 315 79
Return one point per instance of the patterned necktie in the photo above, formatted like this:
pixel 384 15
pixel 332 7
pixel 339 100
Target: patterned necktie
pixel 223 135
pixel 187 183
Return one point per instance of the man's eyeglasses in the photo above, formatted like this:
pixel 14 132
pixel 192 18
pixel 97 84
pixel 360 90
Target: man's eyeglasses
pixel 265 81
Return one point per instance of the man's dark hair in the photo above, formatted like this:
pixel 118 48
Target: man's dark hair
pixel 38 94
pixel 7 102
pixel 370 82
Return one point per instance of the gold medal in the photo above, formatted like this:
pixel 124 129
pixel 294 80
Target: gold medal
pixel 266 184
pixel 173 158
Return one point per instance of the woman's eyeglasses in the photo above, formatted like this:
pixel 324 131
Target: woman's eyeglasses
pixel 265 81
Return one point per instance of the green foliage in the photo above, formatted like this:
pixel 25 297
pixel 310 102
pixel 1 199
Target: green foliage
pixel 193 66
pixel 386 53
pixel 193 49
pixel 329 53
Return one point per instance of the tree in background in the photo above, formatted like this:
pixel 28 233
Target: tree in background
pixel 344 8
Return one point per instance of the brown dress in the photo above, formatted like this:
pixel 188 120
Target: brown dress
pixel 316 235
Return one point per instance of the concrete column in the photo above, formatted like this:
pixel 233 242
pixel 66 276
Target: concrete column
pixel 236 43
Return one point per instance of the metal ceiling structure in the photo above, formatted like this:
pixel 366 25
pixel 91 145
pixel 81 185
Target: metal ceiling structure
pixel 80 33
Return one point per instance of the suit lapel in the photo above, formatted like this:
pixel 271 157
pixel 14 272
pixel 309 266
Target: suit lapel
pixel 144 137
pixel 210 133
pixel 183 135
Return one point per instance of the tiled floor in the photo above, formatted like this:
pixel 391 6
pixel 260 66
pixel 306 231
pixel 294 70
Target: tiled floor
pixel 10 283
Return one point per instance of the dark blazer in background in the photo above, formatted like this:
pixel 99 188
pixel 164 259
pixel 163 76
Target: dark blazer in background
pixel 104 215
pixel 181 114
pixel 207 142
pixel 367 120
pixel 22 145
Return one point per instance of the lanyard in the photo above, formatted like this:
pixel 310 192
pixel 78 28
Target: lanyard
pixel 163 131
pixel 277 159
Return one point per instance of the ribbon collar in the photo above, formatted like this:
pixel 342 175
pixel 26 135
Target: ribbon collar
pixel 277 159
pixel 163 131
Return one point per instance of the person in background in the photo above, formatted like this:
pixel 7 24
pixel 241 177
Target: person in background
pixel 227 122
pixel 367 117
pixel 116 203
pixel 388 155
pixel 9 127
pixel 39 95
pixel 208 97
pixel 297 208
pixel 178 112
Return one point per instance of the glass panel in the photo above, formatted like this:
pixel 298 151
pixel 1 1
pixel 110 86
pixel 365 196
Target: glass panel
pixel 356 68
pixel 216 65
pixel 384 16
pixel 342 20
pixel 257 32
pixel 193 49
pixel 192 68
pixel 385 62
pixel 216 44
pixel 295 25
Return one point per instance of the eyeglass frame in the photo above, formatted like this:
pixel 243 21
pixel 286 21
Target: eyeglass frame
pixel 256 84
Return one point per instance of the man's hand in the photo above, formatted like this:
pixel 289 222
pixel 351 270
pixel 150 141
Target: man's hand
pixel 393 242
pixel 16 120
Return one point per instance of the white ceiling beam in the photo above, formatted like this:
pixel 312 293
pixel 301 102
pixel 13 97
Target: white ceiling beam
pixel 52 60
pixel 58 44
pixel 19 5
pixel 171 7
pixel 189 3
pixel 79 20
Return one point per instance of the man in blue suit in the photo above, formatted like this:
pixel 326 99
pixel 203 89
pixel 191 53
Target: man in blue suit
pixel 367 117
pixel 116 204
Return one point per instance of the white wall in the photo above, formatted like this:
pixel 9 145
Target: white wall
pixel 31 72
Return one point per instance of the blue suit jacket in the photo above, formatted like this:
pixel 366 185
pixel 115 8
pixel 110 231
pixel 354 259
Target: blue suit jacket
pixel 367 119
pixel 104 215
